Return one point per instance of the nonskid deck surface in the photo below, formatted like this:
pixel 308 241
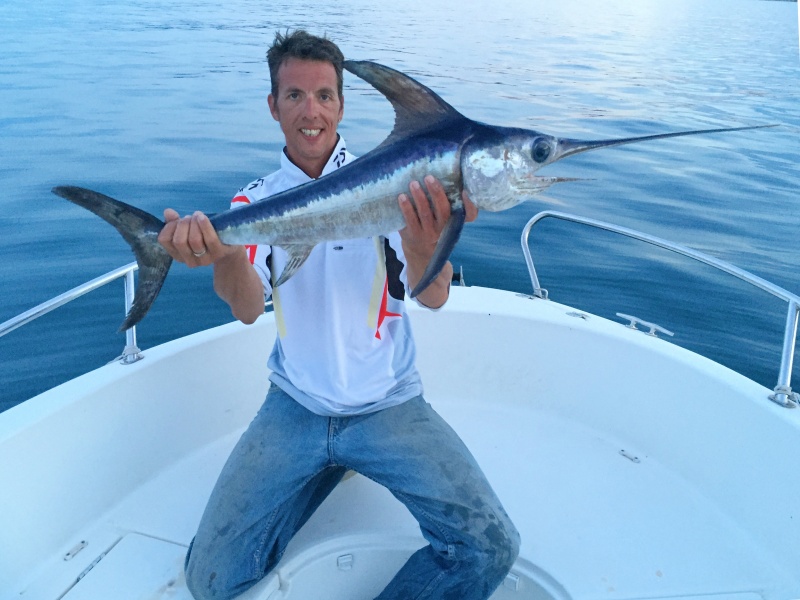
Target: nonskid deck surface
pixel 597 520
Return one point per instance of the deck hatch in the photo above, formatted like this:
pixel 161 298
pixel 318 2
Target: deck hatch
pixel 144 567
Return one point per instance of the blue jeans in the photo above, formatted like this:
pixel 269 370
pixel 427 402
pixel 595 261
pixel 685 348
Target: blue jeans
pixel 290 459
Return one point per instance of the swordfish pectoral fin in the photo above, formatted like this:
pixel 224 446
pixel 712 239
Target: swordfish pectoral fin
pixel 140 229
pixel 444 247
pixel 298 253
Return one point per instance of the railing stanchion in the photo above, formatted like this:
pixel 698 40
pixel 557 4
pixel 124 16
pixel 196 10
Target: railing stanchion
pixel 131 352
pixel 538 292
pixel 783 391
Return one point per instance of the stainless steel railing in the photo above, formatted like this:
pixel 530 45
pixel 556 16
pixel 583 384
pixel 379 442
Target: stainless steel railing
pixel 783 394
pixel 131 352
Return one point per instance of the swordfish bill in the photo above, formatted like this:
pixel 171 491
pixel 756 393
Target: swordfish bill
pixel 495 165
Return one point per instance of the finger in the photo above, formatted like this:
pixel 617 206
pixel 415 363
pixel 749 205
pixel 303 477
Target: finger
pixel 197 243
pixel 408 210
pixel 425 214
pixel 203 233
pixel 167 233
pixel 439 199
pixel 180 240
pixel 170 215
pixel 210 238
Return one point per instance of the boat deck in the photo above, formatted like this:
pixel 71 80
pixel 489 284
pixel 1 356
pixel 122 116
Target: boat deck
pixel 604 465
pixel 591 518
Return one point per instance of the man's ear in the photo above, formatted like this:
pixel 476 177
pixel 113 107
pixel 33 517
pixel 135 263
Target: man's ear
pixel 273 107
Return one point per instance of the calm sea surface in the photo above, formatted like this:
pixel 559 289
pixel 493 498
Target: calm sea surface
pixel 163 103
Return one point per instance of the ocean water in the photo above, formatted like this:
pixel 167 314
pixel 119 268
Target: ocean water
pixel 163 103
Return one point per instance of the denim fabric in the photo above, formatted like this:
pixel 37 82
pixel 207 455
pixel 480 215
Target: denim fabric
pixel 290 459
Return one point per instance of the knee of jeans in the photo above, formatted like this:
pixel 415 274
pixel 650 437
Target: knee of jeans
pixel 498 547
pixel 204 581
pixel 511 547
pixel 198 581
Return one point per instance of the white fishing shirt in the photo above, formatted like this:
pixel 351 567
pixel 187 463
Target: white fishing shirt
pixel 344 344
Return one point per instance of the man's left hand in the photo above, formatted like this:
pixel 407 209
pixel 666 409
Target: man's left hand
pixel 426 218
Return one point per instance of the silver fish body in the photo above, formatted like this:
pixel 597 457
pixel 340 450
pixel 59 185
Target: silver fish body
pixel 496 166
pixel 357 200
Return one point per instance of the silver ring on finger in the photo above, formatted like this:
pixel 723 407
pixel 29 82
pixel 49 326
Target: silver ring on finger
pixel 199 254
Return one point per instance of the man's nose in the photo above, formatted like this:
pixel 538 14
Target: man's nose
pixel 311 107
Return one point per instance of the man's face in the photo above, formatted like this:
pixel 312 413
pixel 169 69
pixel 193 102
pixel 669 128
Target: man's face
pixel 309 109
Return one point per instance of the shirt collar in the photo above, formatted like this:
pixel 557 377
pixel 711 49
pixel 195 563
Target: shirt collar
pixel 338 159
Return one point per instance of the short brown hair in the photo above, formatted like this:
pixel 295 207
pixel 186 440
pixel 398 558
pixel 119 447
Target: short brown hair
pixel 301 44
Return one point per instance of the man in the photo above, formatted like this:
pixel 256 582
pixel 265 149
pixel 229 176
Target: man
pixel 345 392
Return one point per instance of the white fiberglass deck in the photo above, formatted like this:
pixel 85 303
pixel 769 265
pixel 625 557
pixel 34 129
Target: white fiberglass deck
pixel 632 468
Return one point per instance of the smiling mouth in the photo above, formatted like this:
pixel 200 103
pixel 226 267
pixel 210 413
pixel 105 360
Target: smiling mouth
pixel 311 132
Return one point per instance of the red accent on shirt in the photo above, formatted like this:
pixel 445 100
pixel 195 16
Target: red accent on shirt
pixel 251 250
pixel 383 313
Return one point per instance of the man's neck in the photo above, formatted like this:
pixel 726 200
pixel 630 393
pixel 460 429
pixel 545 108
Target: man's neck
pixel 313 170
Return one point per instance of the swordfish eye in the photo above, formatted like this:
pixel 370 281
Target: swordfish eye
pixel 540 150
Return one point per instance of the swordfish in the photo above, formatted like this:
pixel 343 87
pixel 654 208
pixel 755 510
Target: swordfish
pixel 495 165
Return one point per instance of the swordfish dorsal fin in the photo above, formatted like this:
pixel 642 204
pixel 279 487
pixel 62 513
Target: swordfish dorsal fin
pixel 416 107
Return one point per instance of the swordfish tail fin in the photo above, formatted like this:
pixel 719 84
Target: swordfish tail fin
pixel 140 229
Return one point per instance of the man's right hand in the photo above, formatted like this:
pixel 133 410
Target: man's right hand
pixel 192 240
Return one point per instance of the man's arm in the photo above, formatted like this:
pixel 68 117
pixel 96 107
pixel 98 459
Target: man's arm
pixel 425 221
pixel 235 279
